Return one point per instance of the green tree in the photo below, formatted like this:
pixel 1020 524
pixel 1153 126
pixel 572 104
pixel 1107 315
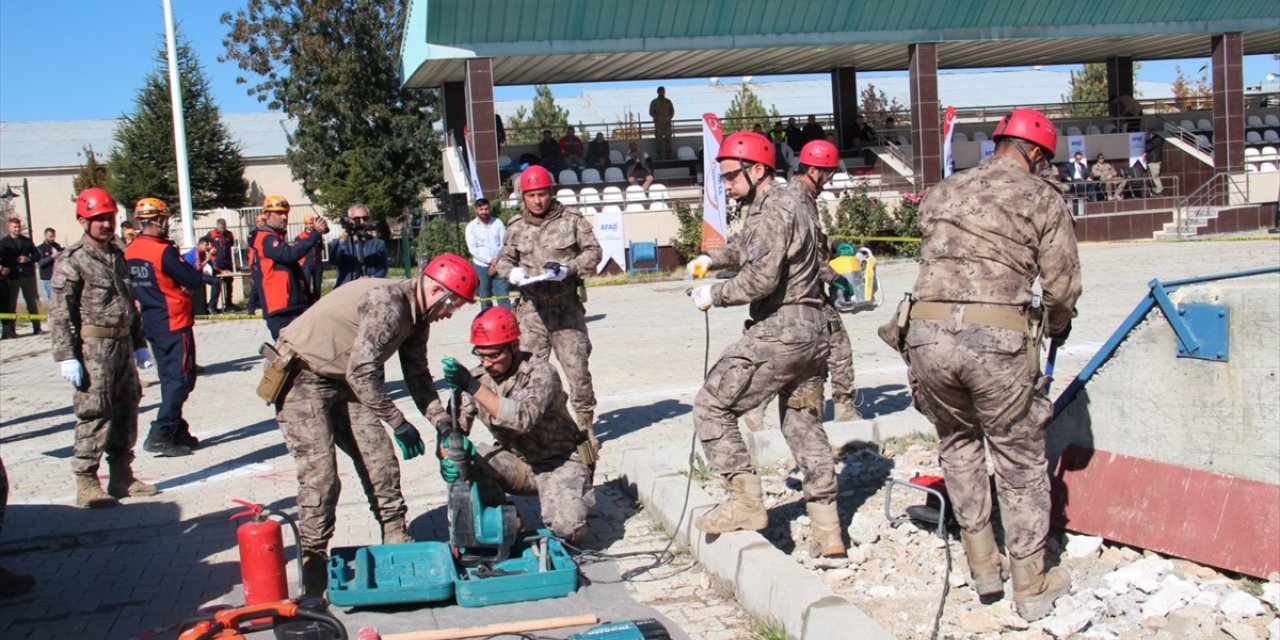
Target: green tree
pixel 688 239
pixel 331 65
pixel 1088 95
pixel 526 128
pixel 876 106
pixel 91 174
pixel 144 164
pixel 1192 96
pixel 747 110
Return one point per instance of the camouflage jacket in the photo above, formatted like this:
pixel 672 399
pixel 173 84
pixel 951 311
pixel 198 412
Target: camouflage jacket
pixel 533 418
pixel 810 203
pixel 350 333
pixel 91 287
pixel 989 232
pixel 777 253
pixel 562 236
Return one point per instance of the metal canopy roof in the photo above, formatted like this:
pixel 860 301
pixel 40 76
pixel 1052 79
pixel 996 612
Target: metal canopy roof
pixel 559 41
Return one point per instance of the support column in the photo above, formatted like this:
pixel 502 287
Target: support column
pixel 455 110
pixel 926 141
pixel 484 137
pixel 1119 77
pixel 844 97
pixel 1228 102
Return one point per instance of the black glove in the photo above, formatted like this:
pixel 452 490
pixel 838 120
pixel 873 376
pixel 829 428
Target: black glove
pixel 444 425
pixel 410 442
pixel 1060 338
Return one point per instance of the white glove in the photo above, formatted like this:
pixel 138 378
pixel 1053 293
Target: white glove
pixel 517 276
pixel 556 275
pixel 698 267
pixel 143 358
pixel 702 297
pixel 72 371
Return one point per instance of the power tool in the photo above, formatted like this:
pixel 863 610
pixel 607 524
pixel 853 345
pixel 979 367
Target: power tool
pixel 308 620
pixel 646 629
pixel 478 532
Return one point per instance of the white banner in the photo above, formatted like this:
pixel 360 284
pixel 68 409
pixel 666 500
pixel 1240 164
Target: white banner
pixel 948 128
pixel 1138 149
pixel 715 222
pixel 1075 144
pixel 609 235
pixel 476 191
pixel 988 149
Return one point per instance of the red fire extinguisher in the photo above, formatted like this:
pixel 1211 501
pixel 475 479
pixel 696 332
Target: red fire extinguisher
pixel 262 561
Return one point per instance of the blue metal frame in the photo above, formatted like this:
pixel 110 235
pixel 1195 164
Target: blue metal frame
pixel 1202 335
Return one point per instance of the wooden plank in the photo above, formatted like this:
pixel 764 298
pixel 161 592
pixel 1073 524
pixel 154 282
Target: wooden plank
pixel 1215 519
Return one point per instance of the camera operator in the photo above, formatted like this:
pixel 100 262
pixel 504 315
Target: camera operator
pixel 358 252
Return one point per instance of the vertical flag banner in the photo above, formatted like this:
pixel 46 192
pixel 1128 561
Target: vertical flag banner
pixel 608 228
pixel 1074 144
pixel 948 128
pixel 1137 148
pixel 472 173
pixel 715 223
pixel 988 149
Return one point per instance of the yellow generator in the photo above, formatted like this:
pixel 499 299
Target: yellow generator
pixel 858 286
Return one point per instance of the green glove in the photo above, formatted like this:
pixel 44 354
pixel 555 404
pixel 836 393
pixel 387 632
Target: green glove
pixel 410 442
pixel 457 376
pixel 844 249
pixel 841 285
pixel 447 469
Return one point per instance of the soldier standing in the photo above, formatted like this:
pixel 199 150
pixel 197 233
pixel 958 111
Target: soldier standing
pixel 663 112
pixel 555 245
pixel 517 395
pixel 783 350
pixel 277 268
pixel 989 232
pixel 337 395
pixel 97 339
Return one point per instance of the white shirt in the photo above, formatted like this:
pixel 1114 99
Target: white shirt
pixel 485 240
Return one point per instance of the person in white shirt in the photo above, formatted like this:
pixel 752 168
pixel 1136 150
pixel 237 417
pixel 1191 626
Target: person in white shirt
pixel 485 235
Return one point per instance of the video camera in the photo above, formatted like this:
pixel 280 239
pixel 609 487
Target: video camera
pixel 357 229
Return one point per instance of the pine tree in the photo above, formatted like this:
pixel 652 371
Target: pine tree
pixel 143 162
pixel 526 127
pixel 746 111
pixel 91 174
pixel 1088 91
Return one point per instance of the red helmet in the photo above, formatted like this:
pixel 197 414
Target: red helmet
pixel 535 178
pixel 453 273
pixel 820 154
pixel 94 202
pixel 494 327
pixel 1029 125
pixel 748 146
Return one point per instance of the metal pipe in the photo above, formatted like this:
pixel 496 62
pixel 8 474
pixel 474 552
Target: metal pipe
pixel 179 131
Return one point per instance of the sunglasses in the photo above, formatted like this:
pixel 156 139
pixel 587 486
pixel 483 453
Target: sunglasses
pixel 730 176
pixel 490 356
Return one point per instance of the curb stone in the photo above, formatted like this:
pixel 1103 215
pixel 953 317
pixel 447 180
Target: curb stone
pixel 767 582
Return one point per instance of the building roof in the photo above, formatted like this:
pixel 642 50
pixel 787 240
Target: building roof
pixel 57 144
pixel 560 41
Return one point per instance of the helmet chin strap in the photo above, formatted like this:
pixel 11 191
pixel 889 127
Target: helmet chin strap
pixel 1035 166
pixel 746 175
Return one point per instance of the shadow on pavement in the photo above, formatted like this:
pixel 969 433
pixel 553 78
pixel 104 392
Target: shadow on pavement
pixel 241 433
pixel 227 366
pixel 62 411
pixel 883 400
pixel 620 422
pixel 229 466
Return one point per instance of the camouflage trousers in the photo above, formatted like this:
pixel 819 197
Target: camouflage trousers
pixel 563 487
pixel 106 404
pixel 750 371
pixel 974 384
pixel 562 327
pixel 315 414
pixel 840 362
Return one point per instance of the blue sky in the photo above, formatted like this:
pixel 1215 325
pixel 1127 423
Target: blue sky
pixel 81 60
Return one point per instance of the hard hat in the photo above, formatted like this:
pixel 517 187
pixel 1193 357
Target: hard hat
pixel 150 209
pixel 94 202
pixel 535 178
pixel 820 154
pixel 748 146
pixel 275 204
pixel 453 273
pixel 494 327
pixel 1029 125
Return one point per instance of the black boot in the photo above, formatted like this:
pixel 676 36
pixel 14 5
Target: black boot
pixel 182 436
pixel 163 446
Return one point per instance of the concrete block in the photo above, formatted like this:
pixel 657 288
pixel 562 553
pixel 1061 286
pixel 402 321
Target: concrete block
pixel 834 618
pixel 773 586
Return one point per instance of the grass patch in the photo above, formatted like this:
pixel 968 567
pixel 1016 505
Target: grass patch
pixel 1251 586
pixel 769 629
pixel 702 471
pixel 899 444
pixel 643 276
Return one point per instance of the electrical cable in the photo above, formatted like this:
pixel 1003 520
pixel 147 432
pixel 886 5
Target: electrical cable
pixel 946 586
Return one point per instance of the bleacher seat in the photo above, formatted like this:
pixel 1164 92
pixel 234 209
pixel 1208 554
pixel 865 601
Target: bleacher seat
pixel 1250 167
pixel 1267 166
pixel 840 181
pixel 504 161
pixel 1058 130
pixel 1271 135
pixel 1188 125
pixel 1203 141
pixel 642 252
pixel 589 195
pixel 614 174
pixel 686 153
pixel 959 136
pixel 1204 125
pixel 591 176
pixel 1254 122
pixel 1253 137
pixel 1251 152
pixel 827 195
pixel 567 196
pixel 568 176
pixel 904 141
pixel 980 136
pixel 1110 128
pixel 616 157
pixel 1265 153
pixel 1272 120
pixel 611 195
pixel 1074 131
pixel 658 192
pixel 659 205
pixel 588 211
pixel 634 207
pixel 635 193
pixel 1093 130
pixel 611 208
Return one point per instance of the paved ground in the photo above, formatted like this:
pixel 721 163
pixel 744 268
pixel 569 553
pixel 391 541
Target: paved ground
pixel 114 573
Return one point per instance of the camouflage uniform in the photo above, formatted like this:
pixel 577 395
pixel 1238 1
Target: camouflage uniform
pixel 988 233
pixel 783 349
pixel 551 314
pixel 91 299
pixel 339 397
pixel 536 446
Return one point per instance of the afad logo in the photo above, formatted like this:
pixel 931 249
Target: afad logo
pixel 612 226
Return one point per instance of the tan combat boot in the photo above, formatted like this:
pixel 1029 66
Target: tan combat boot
pixel 589 451
pixel 825 519
pixel 984 561
pixel 845 411
pixel 395 532
pixel 123 485
pixel 1033 590
pixel 315 572
pixel 743 511
pixel 89 493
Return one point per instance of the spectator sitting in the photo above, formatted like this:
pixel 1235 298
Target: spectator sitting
pixel 571 148
pixel 757 128
pixel 863 134
pixel 778 135
pixel 795 137
pixel 1076 173
pixel 549 152
pixel 1105 172
pixel 813 130
pixel 890 124
pixel 598 153
pixel 639 168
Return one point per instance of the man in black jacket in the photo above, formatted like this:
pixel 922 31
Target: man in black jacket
pixel 49 250
pixel 18 258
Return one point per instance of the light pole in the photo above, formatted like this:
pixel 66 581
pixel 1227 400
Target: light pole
pixel 9 195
